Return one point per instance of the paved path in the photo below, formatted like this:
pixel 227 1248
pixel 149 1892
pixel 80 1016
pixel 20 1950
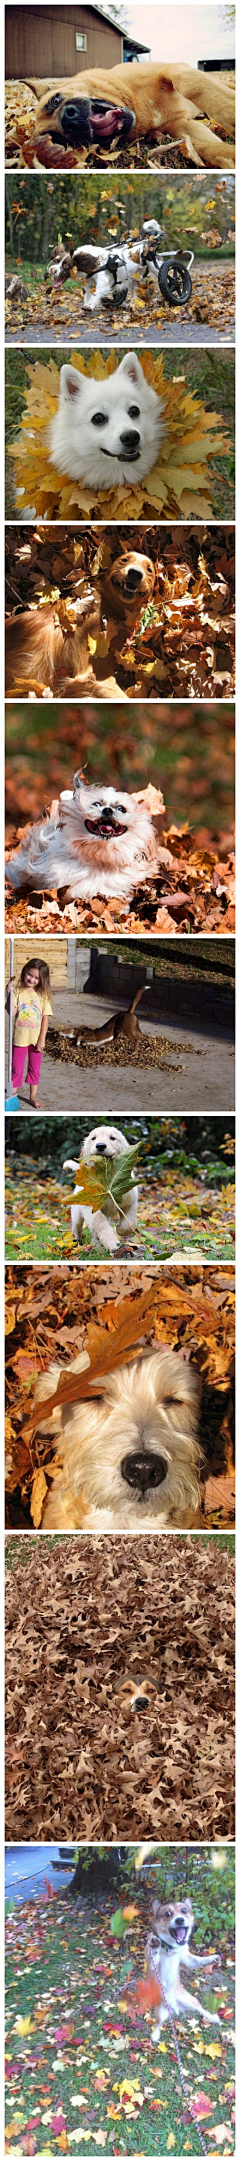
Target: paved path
pixel 202 1078
pixel 167 332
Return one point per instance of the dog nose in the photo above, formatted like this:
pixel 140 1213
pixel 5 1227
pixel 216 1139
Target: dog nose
pixel 101 1149
pixel 143 1470
pixel 133 579
pixel 130 439
pixel 76 122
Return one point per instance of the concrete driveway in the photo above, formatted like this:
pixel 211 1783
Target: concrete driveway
pixel 201 1076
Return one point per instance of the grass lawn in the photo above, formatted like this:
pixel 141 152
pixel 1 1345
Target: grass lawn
pixel 83 2074
pixel 175 1216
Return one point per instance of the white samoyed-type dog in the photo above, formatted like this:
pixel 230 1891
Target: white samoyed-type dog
pixel 103 1141
pixel 97 843
pixel 132 1462
pixel 104 433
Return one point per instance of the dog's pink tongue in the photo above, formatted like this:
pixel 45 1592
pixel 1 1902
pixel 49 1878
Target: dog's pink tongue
pixel 104 125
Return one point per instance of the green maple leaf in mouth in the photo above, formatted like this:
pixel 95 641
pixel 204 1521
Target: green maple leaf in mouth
pixel 105 1176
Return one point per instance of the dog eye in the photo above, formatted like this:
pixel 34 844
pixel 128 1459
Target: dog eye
pixel 53 102
pixel 122 807
pixel 99 420
pixel 134 412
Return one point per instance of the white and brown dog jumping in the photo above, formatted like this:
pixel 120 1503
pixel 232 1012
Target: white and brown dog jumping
pixel 132 1462
pixel 168 1947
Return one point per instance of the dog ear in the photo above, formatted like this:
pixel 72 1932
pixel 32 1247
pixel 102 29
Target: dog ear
pixel 71 384
pixel 131 367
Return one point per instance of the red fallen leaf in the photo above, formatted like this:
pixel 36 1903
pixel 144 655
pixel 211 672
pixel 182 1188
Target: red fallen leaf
pixel 146 1993
pixel 202 2107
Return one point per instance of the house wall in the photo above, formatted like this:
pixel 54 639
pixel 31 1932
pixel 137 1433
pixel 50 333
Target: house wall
pixel 42 42
pixel 53 950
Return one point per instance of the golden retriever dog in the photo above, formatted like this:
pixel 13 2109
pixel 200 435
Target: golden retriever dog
pixel 95 842
pixel 123 103
pixel 132 1462
pixel 168 1947
pixel 106 1224
pixel 48 648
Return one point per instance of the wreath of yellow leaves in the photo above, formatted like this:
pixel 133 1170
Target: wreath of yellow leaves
pixel 177 485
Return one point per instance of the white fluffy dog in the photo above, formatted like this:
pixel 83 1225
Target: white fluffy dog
pixel 131 1463
pixel 103 1141
pixel 98 842
pixel 106 432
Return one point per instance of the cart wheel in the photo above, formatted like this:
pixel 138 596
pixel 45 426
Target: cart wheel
pixel 175 282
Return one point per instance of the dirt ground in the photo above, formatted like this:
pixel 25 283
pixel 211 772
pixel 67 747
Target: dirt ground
pixel 197 1072
pixel 88 1620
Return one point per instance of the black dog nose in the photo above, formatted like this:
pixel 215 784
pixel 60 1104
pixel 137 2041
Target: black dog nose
pixel 133 579
pixel 101 1149
pixel 143 1470
pixel 130 439
pixel 76 122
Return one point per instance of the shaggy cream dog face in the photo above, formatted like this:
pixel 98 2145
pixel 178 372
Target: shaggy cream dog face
pixel 131 1463
pixel 103 1141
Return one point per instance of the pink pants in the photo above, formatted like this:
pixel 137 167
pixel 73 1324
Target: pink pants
pixel 34 1061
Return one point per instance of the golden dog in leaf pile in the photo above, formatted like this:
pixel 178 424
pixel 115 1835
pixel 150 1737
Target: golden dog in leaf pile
pixel 123 103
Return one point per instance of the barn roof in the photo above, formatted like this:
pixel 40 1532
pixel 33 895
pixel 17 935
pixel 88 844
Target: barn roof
pixel 133 43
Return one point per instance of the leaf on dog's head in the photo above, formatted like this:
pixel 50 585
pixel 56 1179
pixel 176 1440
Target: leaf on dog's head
pixel 177 486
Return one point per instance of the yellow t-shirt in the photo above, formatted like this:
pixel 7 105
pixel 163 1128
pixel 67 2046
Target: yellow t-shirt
pixel 29 1008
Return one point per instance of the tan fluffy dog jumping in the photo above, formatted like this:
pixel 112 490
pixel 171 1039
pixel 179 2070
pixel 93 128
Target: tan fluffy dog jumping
pixel 168 1947
pixel 130 101
pixel 131 1463
pixel 48 648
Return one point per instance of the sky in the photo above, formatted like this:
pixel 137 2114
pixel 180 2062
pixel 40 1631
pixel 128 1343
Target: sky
pixel 189 33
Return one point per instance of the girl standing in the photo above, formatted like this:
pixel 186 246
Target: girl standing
pixel 32 1006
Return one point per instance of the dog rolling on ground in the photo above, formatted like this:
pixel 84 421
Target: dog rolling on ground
pixel 168 1947
pixel 109 431
pixel 122 103
pixel 104 1141
pixel 133 1462
pixel 124 1022
pixel 96 843
pixel 47 648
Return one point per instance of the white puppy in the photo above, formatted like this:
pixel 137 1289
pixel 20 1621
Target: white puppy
pixel 103 1141
pixel 98 842
pixel 132 1462
pixel 106 432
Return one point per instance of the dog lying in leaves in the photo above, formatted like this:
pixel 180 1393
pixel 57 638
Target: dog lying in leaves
pixel 96 842
pixel 48 648
pixel 102 106
pixel 131 1462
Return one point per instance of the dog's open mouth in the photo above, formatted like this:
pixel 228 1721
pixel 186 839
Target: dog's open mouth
pixel 129 584
pixel 105 826
pixel 179 1931
pixel 143 1471
pixel 124 456
pixel 83 121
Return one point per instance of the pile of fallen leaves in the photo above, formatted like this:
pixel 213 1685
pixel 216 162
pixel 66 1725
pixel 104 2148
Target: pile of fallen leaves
pixel 184 646
pixel 58 1312
pixel 197 893
pixel 179 485
pixel 82 1613
pixel 142 1050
